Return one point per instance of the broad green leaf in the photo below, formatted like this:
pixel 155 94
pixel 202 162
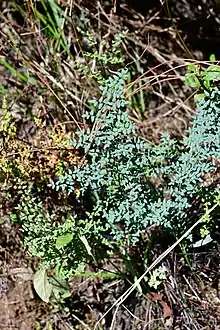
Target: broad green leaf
pixel 212 73
pixel 191 67
pixel 42 285
pixel 199 96
pixel 60 286
pixel 59 283
pixel 212 58
pixel 207 83
pixel 64 240
pixel 192 80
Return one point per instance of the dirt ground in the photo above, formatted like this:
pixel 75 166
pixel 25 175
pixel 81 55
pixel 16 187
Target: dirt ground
pixel 190 298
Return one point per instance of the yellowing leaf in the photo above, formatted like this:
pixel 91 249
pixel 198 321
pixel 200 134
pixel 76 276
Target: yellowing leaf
pixel 77 192
pixel 64 240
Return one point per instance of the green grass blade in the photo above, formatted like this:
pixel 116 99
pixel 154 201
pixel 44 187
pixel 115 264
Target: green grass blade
pixel 99 275
pixel 3 90
pixel 16 73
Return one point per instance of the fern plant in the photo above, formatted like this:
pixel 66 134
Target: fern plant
pixel 131 184
pixel 59 243
pixel 119 169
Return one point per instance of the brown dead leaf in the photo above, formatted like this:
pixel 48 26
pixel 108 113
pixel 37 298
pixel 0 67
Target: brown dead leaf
pixel 167 312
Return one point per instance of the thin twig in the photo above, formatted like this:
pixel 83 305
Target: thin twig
pixel 125 295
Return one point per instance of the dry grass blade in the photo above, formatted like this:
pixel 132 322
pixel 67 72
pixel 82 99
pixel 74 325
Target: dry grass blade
pixel 124 296
pixel 80 321
pixel 151 79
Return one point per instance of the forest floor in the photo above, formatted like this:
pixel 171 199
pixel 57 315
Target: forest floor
pixel 162 39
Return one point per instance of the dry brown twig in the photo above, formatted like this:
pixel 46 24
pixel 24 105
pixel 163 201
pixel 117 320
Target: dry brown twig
pixel 126 294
